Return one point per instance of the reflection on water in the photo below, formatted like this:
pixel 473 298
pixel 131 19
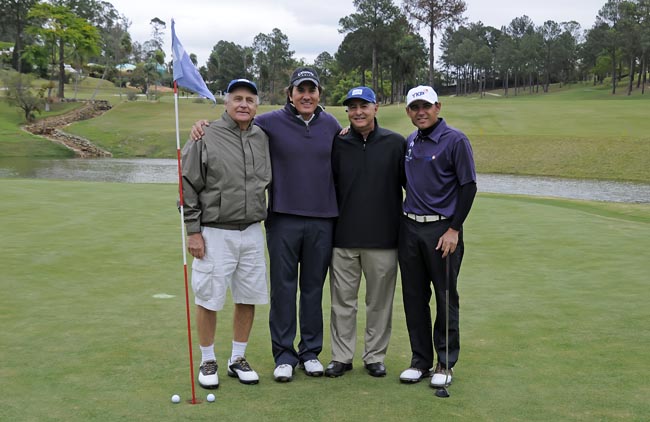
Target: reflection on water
pixel 96 170
pixel 165 171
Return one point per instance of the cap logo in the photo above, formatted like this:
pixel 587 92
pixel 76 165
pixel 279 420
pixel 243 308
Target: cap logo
pixel 357 92
pixel 419 94
pixel 305 73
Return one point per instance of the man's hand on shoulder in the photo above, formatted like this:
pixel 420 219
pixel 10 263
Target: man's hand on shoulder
pixel 197 131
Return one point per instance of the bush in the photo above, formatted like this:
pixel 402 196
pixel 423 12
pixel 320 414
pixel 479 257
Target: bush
pixel 19 93
pixel 132 96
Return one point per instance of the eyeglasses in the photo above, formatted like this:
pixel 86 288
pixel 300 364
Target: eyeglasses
pixel 421 106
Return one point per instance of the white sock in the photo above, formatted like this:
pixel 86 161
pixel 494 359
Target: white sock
pixel 207 353
pixel 238 350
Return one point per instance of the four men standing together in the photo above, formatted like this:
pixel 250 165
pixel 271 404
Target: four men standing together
pixel 335 200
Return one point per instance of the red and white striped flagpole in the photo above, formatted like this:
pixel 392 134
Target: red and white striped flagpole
pixel 182 203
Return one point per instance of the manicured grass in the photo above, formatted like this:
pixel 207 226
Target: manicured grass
pixel 577 131
pixel 554 317
pixel 585 134
pixel 15 142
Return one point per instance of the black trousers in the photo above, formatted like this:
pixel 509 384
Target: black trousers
pixel 296 245
pixel 421 266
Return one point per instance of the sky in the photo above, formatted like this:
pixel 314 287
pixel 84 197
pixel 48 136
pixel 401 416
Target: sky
pixel 311 26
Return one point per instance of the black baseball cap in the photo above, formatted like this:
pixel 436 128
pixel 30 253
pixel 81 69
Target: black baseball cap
pixel 303 74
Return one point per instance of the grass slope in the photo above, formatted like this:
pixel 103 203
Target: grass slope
pixel 15 142
pixel 578 131
pixel 554 317
pixel 574 133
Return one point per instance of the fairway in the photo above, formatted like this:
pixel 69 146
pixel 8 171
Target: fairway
pixel 554 298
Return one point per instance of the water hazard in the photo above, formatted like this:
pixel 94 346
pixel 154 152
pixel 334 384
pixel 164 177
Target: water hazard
pixel 165 171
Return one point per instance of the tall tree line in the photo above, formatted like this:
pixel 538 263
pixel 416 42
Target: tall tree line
pixel 382 48
pixel 525 56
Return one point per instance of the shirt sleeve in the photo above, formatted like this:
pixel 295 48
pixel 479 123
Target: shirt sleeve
pixel 193 161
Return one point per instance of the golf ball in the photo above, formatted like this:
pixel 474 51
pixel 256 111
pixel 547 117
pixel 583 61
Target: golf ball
pixel 210 397
pixel 176 398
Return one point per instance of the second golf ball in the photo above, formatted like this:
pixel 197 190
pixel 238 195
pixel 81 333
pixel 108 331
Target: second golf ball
pixel 210 397
pixel 176 398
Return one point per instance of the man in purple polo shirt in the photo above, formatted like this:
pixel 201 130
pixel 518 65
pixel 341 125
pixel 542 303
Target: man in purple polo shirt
pixel 440 190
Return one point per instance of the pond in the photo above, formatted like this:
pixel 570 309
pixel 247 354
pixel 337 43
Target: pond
pixel 165 171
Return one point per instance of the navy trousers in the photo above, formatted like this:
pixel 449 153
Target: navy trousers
pixel 421 266
pixel 300 251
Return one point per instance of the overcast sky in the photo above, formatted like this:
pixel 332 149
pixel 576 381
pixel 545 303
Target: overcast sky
pixel 311 26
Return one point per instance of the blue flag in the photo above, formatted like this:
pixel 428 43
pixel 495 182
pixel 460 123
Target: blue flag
pixel 185 73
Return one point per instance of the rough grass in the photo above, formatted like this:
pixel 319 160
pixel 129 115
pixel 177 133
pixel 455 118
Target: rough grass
pixel 554 317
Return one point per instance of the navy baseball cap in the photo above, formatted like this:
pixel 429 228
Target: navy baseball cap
pixel 362 93
pixel 235 83
pixel 303 74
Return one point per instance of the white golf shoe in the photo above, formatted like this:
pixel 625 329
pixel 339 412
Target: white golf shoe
pixel 239 368
pixel 313 367
pixel 283 373
pixel 208 377
pixel 413 375
pixel 441 377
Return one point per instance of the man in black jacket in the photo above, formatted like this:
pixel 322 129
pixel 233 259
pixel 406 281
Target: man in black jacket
pixel 368 169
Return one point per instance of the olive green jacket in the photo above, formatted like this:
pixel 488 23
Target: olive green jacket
pixel 225 176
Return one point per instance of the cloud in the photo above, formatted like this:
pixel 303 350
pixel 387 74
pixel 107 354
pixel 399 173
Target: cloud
pixel 311 26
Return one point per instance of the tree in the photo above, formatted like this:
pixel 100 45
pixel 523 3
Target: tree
pixel 354 56
pixel 505 59
pixel 19 93
pixel 609 15
pixel 565 59
pixel 630 34
pixel 372 22
pixel 324 64
pixel 592 50
pixel 550 32
pixel 434 15
pixel 60 29
pixel 644 17
pixel 518 29
pixel 272 60
pixel 157 33
pixel 15 20
pixel 227 61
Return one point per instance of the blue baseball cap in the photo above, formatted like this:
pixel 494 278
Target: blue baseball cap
pixel 235 83
pixel 362 93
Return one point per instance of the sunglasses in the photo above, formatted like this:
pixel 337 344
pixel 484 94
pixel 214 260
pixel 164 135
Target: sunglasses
pixel 418 107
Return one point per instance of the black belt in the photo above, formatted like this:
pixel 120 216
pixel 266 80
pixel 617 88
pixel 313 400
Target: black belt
pixel 425 218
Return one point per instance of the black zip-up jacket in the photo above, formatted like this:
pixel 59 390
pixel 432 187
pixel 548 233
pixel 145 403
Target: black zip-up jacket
pixel 368 177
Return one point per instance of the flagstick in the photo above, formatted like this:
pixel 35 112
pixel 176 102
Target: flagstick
pixel 180 192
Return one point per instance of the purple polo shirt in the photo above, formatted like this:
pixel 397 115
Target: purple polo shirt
pixel 436 166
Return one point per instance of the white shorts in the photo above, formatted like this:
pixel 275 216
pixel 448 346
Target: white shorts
pixel 232 259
